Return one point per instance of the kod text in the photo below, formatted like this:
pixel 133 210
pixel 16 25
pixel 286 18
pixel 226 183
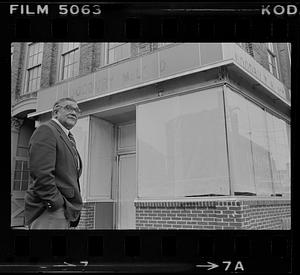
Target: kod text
pixel 279 10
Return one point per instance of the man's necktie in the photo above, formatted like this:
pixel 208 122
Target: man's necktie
pixel 72 139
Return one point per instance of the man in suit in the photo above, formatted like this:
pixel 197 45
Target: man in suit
pixel 53 199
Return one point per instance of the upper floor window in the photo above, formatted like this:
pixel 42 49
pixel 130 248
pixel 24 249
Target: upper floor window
pixel 272 59
pixel 248 47
pixel 69 60
pixel 162 44
pixel 118 51
pixel 34 67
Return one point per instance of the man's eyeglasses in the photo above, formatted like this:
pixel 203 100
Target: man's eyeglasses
pixel 70 108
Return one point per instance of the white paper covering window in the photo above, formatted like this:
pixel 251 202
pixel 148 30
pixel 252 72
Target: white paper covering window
pixel 280 153
pixel 258 148
pixel 182 146
pixel 239 142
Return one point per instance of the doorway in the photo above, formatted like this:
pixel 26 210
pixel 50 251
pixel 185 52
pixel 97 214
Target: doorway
pixel 20 171
pixel 127 191
pixel 127 184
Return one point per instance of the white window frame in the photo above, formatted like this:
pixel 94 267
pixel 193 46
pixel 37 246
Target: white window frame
pixel 62 53
pixel 107 50
pixel 26 78
pixel 272 56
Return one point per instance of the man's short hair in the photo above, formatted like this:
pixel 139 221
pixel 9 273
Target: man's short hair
pixel 56 105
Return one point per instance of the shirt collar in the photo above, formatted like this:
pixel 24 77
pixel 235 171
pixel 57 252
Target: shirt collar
pixel 61 126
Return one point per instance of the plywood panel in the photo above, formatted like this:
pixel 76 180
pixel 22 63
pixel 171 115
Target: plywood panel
pixel 127 194
pixel 81 134
pixel 101 159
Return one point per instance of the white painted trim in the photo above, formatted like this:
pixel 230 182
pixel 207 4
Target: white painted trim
pixel 98 200
pixel 24 105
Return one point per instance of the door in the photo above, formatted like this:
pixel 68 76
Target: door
pixel 127 191
pixel 19 186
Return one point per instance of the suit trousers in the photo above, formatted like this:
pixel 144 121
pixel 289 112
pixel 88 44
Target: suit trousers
pixel 51 220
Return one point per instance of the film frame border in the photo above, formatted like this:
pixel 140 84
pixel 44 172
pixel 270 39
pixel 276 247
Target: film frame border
pixel 166 247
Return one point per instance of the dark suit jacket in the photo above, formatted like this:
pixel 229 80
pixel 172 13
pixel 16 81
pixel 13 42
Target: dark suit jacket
pixel 53 168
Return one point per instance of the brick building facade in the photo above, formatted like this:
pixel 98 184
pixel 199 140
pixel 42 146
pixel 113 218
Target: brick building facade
pixel 136 178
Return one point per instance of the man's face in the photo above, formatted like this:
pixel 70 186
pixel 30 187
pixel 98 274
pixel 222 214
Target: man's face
pixel 67 114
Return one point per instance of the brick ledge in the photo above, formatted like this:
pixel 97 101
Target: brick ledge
pixel 210 203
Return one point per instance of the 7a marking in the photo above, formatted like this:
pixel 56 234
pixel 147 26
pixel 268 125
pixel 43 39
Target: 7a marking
pixel 238 266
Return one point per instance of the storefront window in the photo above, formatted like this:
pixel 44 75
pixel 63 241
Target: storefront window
pixel 258 148
pixel 182 146
pixel 280 153
pixel 239 142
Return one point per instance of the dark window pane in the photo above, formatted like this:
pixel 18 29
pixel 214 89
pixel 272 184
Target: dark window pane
pixel 25 165
pixel 18 165
pixel 25 175
pixel 24 185
pixel 17 175
pixel 17 184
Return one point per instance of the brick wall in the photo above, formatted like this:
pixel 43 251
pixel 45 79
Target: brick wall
pixel 87 216
pixel 48 77
pixel 17 70
pixel 86 58
pixel 55 62
pixel 284 64
pixel 14 68
pixel 98 56
pixel 260 54
pixel 46 65
pixel 266 214
pixel 213 214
